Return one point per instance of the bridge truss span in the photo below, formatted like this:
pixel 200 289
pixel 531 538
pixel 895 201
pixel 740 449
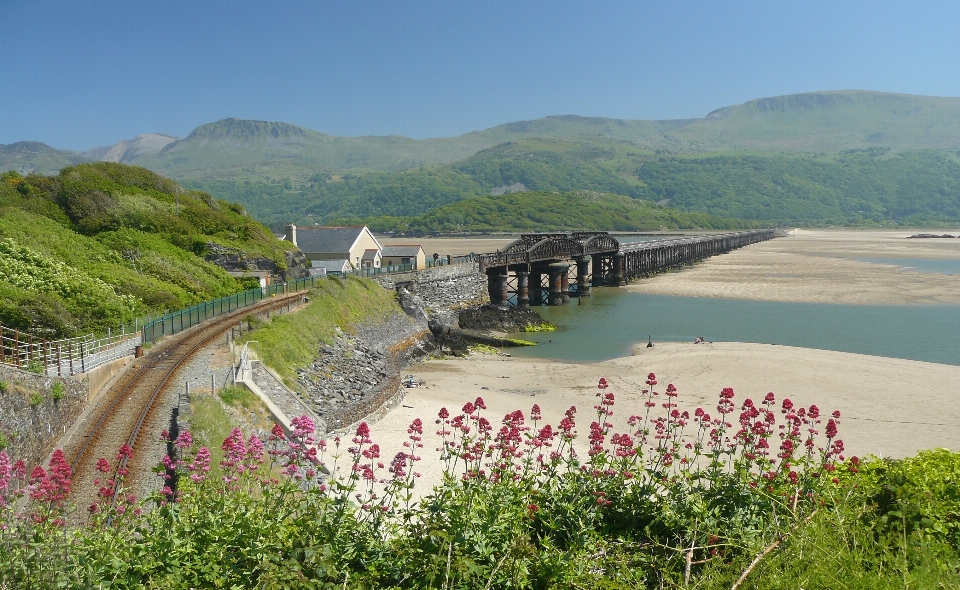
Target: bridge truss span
pixel 547 268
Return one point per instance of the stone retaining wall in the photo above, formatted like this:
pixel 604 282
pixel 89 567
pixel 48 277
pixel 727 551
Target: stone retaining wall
pixel 31 420
pixel 442 287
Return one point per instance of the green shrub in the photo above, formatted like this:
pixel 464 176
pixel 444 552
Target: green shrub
pixel 4 386
pixel 36 399
pixel 57 391
pixel 517 507
pixel 35 366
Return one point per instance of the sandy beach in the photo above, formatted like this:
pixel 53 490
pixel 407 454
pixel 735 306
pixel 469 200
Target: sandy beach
pixel 890 407
pixel 820 266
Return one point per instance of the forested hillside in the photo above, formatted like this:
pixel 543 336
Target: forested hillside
pixel 857 187
pixel 551 211
pixel 100 244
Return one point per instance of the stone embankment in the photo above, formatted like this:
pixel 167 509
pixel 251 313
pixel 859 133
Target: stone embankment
pixel 358 373
pixel 441 288
pixel 36 410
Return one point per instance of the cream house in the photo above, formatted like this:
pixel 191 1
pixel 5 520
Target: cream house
pixel 404 254
pixel 354 246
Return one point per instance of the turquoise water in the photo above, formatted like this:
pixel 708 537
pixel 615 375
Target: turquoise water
pixel 607 324
pixel 943 266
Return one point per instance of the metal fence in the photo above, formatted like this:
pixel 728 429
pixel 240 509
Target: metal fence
pixel 68 356
pixel 382 270
pixel 71 356
pixel 177 321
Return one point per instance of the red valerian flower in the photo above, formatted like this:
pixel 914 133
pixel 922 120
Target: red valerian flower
pixel 831 428
pixel 535 412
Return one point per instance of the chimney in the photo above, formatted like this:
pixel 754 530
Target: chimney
pixel 291 233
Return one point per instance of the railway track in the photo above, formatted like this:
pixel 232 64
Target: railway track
pixel 120 414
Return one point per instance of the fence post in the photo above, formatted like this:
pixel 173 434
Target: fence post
pixel 16 347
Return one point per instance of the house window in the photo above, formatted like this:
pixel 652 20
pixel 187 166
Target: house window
pixel 404 261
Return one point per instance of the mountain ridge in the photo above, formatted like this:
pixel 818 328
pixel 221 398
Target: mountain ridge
pixel 826 121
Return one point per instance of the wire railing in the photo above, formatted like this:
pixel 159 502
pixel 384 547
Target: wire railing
pixel 67 356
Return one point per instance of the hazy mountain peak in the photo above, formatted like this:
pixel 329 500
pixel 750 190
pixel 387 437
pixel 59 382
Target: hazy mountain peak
pixel 246 129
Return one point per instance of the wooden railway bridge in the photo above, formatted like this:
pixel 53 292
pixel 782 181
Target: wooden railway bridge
pixel 546 268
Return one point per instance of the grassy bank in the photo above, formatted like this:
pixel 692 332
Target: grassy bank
pixel 287 342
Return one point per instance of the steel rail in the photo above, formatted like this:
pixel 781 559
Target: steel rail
pixel 211 331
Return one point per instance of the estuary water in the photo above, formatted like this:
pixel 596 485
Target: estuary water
pixel 608 323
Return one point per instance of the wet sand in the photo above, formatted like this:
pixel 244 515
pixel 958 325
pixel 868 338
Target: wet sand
pixel 820 266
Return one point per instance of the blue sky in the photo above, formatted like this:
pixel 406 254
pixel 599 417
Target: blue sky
pixel 81 74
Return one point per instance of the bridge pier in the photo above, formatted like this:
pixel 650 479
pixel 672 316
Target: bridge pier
pixel 583 276
pixel 619 269
pixel 497 285
pixel 559 283
pixel 536 286
pixel 523 287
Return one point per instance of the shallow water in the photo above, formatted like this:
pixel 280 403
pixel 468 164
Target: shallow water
pixel 607 324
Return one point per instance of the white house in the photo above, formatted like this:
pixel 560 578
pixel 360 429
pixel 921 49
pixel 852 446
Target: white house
pixel 336 248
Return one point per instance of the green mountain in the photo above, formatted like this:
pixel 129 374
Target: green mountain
pixel 234 149
pixel 830 122
pixel 25 157
pixel 553 211
pixel 858 187
pixel 100 244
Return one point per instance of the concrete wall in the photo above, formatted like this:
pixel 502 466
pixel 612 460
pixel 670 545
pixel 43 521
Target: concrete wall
pixel 99 377
pixel 31 429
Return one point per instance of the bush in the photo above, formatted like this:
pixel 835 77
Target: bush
pixel 36 399
pixel 57 391
pixel 679 500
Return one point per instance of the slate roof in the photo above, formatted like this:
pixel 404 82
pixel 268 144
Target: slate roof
pixel 370 254
pixel 401 250
pixel 327 239
pixel 331 265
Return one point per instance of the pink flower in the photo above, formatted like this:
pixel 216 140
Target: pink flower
pixel 103 466
pixel 535 412
pixel 479 404
pixel 184 440
pixel 603 383
pixel 303 426
pixel 831 428
pixel 200 465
